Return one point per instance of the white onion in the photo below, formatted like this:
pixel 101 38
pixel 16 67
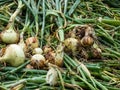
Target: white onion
pixel 37 51
pixel 9 36
pixel 14 55
pixel 38 61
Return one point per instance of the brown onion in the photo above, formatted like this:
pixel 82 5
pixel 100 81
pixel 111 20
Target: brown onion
pixel 87 41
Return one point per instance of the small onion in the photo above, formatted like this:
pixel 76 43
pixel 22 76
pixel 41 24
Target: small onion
pixel 37 51
pixel 9 36
pixel 52 76
pixel 87 41
pixel 71 43
pixel 32 42
pixel 14 55
pixel 38 61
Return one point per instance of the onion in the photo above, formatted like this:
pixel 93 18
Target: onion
pixel 32 42
pixel 37 51
pixel 9 35
pixel 38 61
pixel 52 76
pixel 87 41
pixel 14 55
pixel 81 31
pixel 71 44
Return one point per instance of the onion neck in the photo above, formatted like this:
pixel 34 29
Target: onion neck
pixel 12 18
pixel 21 38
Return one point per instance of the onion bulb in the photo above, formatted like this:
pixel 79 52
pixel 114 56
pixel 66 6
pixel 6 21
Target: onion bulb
pixel 87 41
pixel 32 42
pixel 9 36
pixel 38 61
pixel 14 55
pixel 37 51
pixel 52 76
pixel 71 44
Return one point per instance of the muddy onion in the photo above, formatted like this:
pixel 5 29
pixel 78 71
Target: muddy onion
pixel 14 55
pixel 37 61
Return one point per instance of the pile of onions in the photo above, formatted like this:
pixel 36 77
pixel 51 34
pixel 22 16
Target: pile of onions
pixel 82 43
pixel 37 51
pixel 13 53
pixel 37 60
